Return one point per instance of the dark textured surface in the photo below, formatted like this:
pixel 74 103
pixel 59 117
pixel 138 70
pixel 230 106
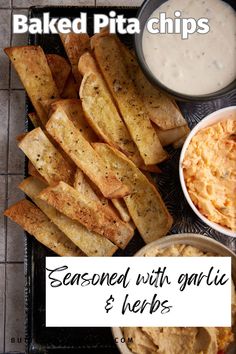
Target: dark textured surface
pixel 99 340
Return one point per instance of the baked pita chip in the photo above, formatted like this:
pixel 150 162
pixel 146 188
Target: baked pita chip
pixel 112 64
pixel 179 143
pixel 34 119
pixel 75 45
pixel 87 63
pixel 170 136
pixel 89 242
pixel 60 69
pixel 145 204
pixel 85 186
pixel 101 111
pixel 84 156
pixel 70 89
pixel 32 67
pixel 47 160
pixel 20 137
pixel 122 209
pixel 151 168
pixel 32 171
pixel 74 111
pixel 161 109
pixel 103 115
pixel 93 215
pixel 46 104
pixel 82 185
pixel 36 223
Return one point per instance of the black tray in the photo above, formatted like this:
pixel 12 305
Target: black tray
pixel 40 339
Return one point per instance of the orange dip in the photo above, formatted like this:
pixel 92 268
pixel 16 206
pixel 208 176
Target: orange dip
pixel 209 170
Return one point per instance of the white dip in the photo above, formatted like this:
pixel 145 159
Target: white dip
pixel 201 64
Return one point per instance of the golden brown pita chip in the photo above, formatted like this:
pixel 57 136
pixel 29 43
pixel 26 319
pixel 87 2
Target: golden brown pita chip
pixel 101 111
pixel 47 160
pixel 145 204
pixel 32 67
pixel 161 109
pixel 179 143
pixel 170 136
pixel 74 111
pixel 70 89
pixel 34 119
pixel 92 214
pixel 60 69
pixel 89 242
pixel 32 171
pixel 122 209
pixel 151 168
pixel 82 185
pixel 84 156
pixel 85 186
pixel 87 63
pixel 75 45
pixel 112 64
pixel 36 223
pixel 20 137
pixel 46 104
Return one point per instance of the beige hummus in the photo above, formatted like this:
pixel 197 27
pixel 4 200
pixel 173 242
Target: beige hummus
pixel 160 340
pixel 209 169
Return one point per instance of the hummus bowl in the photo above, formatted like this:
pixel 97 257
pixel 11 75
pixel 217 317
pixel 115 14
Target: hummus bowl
pixel 212 119
pixel 202 243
